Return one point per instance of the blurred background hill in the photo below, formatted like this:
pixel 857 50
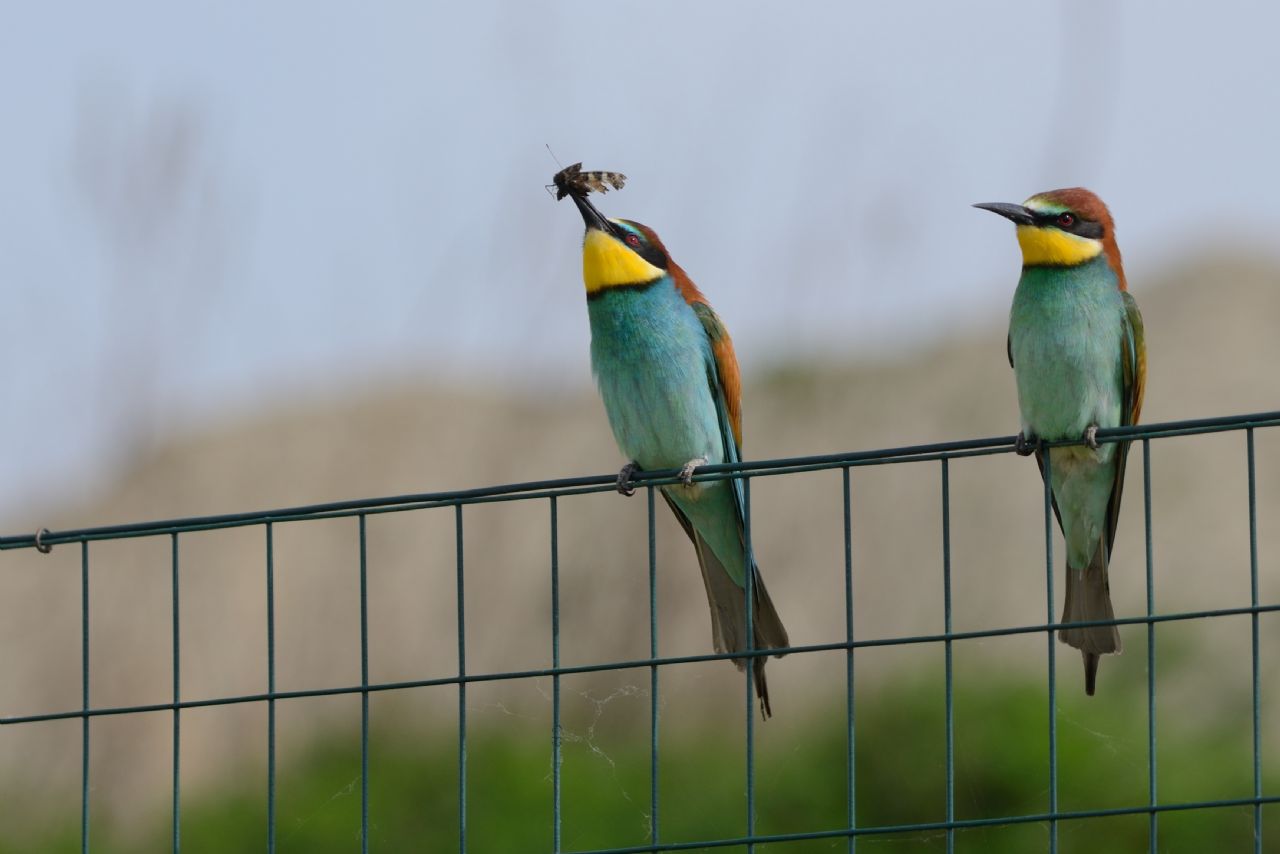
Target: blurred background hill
pixel 307 257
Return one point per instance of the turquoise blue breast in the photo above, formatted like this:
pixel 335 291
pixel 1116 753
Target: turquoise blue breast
pixel 1065 332
pixel 651 358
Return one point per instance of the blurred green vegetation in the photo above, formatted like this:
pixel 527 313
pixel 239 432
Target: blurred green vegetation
pixel 1001 762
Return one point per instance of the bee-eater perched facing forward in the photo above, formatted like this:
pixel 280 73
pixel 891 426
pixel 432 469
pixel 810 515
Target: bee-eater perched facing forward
pixel 1078 356
pixel 669 379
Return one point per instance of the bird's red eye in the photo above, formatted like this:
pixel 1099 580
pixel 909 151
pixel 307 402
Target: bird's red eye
pixel 1066 220
pixel 632 240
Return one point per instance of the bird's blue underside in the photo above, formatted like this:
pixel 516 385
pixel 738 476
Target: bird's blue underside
pixel 1066 333
pixel 653 362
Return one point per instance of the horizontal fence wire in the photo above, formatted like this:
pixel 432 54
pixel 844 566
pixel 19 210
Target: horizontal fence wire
pixel 550 490
pixel 604 483
pixel 637 664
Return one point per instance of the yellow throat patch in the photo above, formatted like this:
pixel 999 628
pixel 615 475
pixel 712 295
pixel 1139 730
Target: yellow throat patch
pixel 1056 248
pixel 608 263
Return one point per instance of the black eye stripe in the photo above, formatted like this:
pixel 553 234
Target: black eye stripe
pixel 1081 227
pixel 644 249
pixel 653 256
pixel 648 249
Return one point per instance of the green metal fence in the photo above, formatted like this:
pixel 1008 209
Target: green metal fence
pixel 549 492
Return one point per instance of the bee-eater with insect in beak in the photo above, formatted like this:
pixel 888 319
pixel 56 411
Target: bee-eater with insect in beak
pixel 669 380
pixel 1080 362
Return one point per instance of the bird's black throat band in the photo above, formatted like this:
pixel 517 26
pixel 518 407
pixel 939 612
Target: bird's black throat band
pixel 641 286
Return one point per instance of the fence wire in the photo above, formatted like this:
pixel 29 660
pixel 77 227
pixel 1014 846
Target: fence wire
pixel 551 491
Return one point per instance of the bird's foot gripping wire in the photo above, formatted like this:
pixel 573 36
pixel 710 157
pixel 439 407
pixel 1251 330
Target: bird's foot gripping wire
pixel 1090 437
pixel 1025 446
pixel 686 471
pixel 624 479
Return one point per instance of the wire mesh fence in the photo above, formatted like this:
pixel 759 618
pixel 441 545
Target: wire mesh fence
pixel 550 493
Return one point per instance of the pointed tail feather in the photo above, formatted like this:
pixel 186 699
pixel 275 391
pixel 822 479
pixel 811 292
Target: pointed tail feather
pixel 1091 660
pixel 729 618
pixel 1089 598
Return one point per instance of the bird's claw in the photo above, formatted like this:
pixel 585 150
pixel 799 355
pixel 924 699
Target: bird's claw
pixel 686 471
pixel 623 485
pixel 1025 446
pixel 1090 437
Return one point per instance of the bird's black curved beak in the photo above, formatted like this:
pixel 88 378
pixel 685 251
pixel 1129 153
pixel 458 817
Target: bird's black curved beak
pixel 592 217
pixel 1017 213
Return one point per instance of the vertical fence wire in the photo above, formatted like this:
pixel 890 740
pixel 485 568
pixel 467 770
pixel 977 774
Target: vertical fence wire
pixel 749 587
pixel 654 835
pixel 462 683
pixel 364 686
pixel 271 690
pixel 1153 819
pixel 946 616
pixel 84 695
pixel 1052 652
pixel 851 816
pixel 556 745
pixel 177 712
pixel 1253 601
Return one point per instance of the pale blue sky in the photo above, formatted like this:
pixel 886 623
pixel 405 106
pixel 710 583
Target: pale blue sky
pixel 366 192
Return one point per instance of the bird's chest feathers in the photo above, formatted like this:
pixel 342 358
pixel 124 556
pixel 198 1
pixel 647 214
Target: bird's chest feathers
pixel 1065 331
pixel 651 358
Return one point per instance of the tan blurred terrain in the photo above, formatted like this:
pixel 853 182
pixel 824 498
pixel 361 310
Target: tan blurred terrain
pixel 1214 350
